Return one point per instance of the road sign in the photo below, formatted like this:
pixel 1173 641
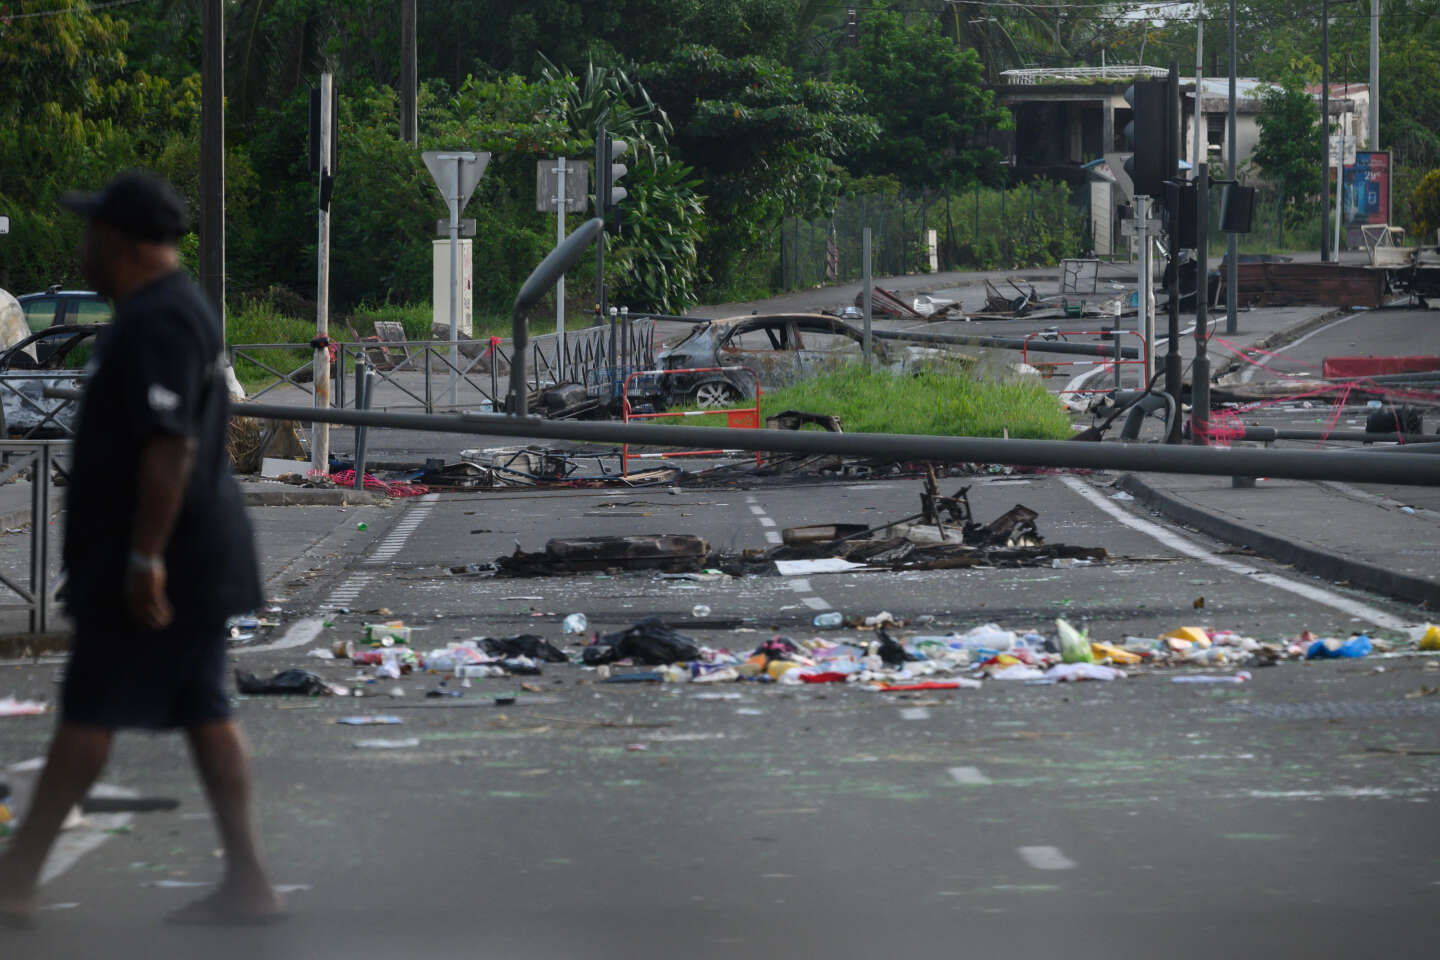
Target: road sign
pixel 467 227
pixel 446 165
pixel 577 185
pixel 1349 150
pixel 4 225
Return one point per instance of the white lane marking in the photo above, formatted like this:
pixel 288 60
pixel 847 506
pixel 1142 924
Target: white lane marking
pixel 300 633
pixel 1251 370
pixel 772 537
pixel 86 835
pixel 758 510
pixel 800 585
pixel 969 776
pixel 767 522
pixel 749 498
pixel 1046 858
pixel 1180 544
pixel 394 542
pixel 815 603
pixel 914 713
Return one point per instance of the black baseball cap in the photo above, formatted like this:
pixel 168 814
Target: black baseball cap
pixel 136 202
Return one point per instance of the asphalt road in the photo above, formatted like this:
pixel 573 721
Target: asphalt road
pixel 1137 818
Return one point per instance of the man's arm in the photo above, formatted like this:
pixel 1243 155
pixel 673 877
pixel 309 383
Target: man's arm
pixel 165 464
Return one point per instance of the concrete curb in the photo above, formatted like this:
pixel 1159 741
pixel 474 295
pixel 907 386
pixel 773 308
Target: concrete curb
pixel 1302 555
pixel 307 497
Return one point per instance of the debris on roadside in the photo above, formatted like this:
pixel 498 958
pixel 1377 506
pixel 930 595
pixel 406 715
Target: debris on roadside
pixel 293 682
pixel 11 707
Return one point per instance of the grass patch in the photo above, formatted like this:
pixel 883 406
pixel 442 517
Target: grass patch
pixel 932 401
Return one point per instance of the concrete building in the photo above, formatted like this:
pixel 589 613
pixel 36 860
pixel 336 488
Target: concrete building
pixel 1071 121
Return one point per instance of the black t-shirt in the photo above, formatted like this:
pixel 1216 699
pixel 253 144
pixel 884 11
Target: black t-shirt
pixel 160 370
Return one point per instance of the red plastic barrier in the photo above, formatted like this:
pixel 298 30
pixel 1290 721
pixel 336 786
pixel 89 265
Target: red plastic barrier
pixel 1378 366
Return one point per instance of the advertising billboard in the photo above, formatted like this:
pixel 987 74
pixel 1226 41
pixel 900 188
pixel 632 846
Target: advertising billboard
pixel 1367 189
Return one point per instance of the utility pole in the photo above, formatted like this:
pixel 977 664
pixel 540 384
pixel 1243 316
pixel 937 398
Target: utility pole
pixel 212 156
pixel 320 438
pixel 1325 131
pixel 409 87
pixel 1197 157
pixel 1232 269
pixel 1374 74
pixel 1200 372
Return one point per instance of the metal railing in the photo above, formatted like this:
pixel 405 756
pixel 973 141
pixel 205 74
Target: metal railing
pixel 36 403
pixel 406 371
pixel 37 593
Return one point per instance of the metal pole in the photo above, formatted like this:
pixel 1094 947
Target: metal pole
pixel 1200 373
pixel 560 284
pixel 361 403
pixel 1325 131
pixel 1340 181
pixel 1232 245
pixel 1195 114
pixel 363 434
pixel 1145 324
pixel 409 88
pixel 867 292
pixel 320 438
pixel 454 276
pixel 212 157
pixel 1361 466
pixel 1374 75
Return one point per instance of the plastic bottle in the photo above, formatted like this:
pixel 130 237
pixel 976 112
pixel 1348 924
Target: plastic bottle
pixel 700 611
pixel 576 623
pixel 829 620
pixel 362 526
pixel 479 670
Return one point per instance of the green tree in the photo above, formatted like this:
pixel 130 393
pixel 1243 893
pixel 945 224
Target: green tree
pixel 1289 140
pixel 930 99
pixel 762 142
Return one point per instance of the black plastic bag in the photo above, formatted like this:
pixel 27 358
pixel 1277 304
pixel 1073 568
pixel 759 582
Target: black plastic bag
pixel 289 681
pixel 892 652
pixel 648 642
pixel 525 645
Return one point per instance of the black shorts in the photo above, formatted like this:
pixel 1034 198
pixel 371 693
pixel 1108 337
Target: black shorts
pixel 153 680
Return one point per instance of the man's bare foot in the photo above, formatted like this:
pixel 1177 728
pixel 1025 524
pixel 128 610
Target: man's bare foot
pixel 17 902
pixel 232 907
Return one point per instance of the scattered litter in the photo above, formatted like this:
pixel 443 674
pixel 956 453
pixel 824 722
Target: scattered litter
pixel 370 720
pixel 10 707
pixel 177 884
pixel 1240 677
pixel 637 747
pixel 575 623
pixel 800 568
pixel 828 620
pixel 1074 645
pixel 700 611
pixel 1431 638
pixel 1333 648
pixel 1070 672
pixel 648 642
pixel 403 744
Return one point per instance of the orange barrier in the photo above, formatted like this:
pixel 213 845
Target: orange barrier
pixel 739 418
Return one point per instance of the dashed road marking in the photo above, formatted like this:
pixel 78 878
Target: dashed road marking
pixel 914 713
pixel 815 603
pixel 1046 858
pixel 758 510
pixel 772 537
pixel 968 776
pixel 767 522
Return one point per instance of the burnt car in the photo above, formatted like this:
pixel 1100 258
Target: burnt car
pixel 54 357
pixel 779 349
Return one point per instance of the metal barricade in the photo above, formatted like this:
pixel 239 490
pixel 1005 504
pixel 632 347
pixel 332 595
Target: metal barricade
pixel 1115 360
pixel 37 597
pixel 742 418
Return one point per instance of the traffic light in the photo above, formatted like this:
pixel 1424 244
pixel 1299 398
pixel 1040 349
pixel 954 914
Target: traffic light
pixel 1145 135
pixel 607 172
pixel 852 28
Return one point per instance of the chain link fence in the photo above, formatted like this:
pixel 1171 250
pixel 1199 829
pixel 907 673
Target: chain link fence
pixel 1029 225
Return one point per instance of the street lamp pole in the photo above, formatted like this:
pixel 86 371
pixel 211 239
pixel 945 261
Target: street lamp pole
pixel 1325 131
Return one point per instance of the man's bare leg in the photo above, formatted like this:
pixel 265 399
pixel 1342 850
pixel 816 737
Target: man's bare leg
pixel 77 755
pixel 219 752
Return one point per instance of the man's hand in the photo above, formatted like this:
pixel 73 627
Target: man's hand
pixel 145 595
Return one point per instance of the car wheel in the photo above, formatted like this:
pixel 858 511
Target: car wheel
pixel 715 394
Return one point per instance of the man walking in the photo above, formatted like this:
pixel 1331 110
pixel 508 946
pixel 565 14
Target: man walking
pixel 158 549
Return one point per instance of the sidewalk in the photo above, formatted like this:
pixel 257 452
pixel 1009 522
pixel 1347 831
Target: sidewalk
pixel 1362 535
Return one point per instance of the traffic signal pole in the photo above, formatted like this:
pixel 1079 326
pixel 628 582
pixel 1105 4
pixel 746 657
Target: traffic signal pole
pixel 1200 372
